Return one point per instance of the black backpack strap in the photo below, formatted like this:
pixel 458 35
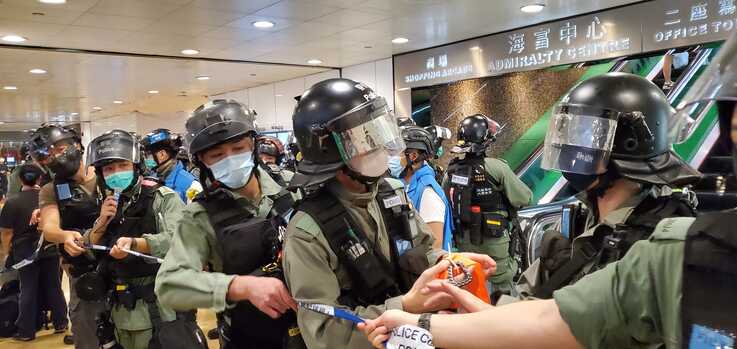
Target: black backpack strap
pixel 710 278
pixel 283 202
pixel 561 277
pixel 371 272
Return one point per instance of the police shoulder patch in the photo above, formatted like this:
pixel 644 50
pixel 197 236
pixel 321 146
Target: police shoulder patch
pixel 304 223
pixel 674 228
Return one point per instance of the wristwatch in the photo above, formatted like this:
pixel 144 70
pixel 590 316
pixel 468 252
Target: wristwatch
pixel 424 321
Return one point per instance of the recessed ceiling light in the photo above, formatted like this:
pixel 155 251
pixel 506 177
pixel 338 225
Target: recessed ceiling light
pixel 475 48
pixel 263 24
pixel 97 108
pixel 202 77
pixel 279 95
pixel 400 40
pixel 10 88
pixel 532 8
pixel 37 71
pixel 117 101
pixel 314 61
pixel 2 122
pixel 153 92
pixel 13 38
pixel 190 51
pixel 73 114
pixel 54 2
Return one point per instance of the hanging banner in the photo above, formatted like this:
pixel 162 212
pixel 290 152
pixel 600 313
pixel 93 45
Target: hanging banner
pixel 624 31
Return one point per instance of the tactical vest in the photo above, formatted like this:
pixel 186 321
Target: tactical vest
pixel 139 218
pixel 708 307
pixel 374 278
pixel 276 174
pixel 77 211
pixel 560 265
pixel 250 246
pixel 476 201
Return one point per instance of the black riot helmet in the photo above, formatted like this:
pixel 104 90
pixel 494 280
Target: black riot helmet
pixel 25 151
pixel 416 137
pixel 217 122
pixel 161 139
pixel 58 147
pixel 614 123
pixel 113 146
pixel 439 135
pixel 476 133
pixel 340 122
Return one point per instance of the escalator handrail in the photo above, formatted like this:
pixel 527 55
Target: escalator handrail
pixel 688 74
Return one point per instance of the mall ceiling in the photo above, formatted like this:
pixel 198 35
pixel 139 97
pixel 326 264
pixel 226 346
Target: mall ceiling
pixel 95 52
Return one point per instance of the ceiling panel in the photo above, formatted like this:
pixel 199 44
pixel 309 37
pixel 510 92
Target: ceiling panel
pixel 136 8
pixel 74 84
pixel 112 22
pixel 301 10
pixel 191 14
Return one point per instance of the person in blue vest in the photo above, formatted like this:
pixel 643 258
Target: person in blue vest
pixel 423 189
pixel 161 147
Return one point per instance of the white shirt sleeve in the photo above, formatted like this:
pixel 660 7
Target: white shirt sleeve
pixel 432 208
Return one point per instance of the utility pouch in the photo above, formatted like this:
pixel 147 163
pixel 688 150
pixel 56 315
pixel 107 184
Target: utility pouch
pixel 494 225
pixel 411 264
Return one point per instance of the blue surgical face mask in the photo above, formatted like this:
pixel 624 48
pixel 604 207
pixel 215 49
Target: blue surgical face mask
pixel 151 163
pixel 119 181
pixel 233 171
pixel 395 166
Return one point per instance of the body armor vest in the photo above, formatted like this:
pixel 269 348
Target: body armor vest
pixel 139 218
pixel 708 307
pixel 561 265
pixel 250 246
pixel 374 278
pixel 476 200
pixel 77 211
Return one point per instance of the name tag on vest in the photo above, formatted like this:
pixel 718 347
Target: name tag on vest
pixel 392 201
pixel 460 180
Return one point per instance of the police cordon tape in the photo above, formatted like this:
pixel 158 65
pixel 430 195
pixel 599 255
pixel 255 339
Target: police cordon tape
pixel 403 337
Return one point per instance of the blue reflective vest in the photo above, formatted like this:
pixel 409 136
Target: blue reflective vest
pixel 425 177
pixel 180 180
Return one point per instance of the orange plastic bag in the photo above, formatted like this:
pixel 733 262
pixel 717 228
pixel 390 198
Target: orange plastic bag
pixel 477 285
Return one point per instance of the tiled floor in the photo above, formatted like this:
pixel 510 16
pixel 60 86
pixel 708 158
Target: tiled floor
pixel 48 340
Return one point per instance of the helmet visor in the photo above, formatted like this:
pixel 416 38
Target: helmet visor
pixel 110 149
pixel 217 125
pixel 579 139
pixel 366 137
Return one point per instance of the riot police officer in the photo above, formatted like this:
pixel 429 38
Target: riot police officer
pixel 422 188
pixel 609 138
pixel 162 148
pixel 14 183
pixel 69 205
pixel 137 215
pixel 271 155
pixel 233 225
pixel 676 289
pixel 485 194
pixel 354 242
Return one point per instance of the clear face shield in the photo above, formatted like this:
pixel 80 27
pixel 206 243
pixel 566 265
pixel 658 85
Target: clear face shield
pixel 366 137
pixel 717 83
pixel 579 139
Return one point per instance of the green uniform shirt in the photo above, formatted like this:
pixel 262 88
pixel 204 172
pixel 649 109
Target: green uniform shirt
pixel 181 283
pixel 315 275
pixel 634 302
pixel 167 207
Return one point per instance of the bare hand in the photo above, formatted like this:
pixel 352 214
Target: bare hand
pixel 72 243
pixel 266 293
pixel 107 212
pixel 123 242
pixel 35 217
pixel 419 299
pixel 485 261
pixel 379 330
pixel 467 301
